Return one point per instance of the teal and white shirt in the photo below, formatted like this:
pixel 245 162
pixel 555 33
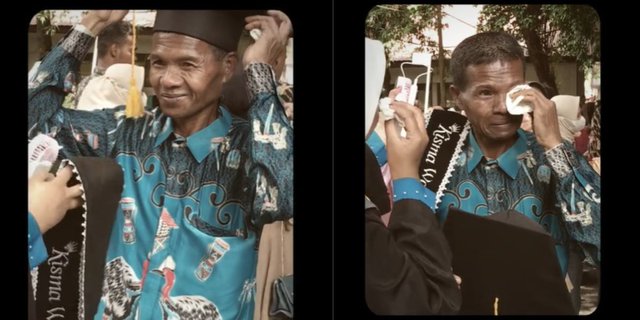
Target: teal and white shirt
pixel 557 188
pixel 183 245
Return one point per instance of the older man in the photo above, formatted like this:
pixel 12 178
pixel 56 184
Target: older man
pixel 502 167
pixel 199 182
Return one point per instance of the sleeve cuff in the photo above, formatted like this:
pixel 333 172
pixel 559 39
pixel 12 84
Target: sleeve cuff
pixel 78 42
pixel 378 148
pixel 260 79
pixel 83 29
pixel 558 159
pixel 37 249
pixel 409 188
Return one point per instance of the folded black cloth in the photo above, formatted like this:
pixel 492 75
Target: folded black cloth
pixel 68 285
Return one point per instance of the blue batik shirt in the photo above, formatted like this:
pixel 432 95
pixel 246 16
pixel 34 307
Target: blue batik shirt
pixel 556 188
pixel 183 244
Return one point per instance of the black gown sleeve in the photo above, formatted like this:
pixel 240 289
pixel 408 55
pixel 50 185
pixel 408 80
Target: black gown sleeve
pixel 408 263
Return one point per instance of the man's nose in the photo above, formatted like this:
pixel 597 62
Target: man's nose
pixel 171 77
pixel 500 106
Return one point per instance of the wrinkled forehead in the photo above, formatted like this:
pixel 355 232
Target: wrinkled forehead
pixel 496 69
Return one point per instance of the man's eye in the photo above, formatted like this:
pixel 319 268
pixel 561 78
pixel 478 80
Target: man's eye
pixel 486 92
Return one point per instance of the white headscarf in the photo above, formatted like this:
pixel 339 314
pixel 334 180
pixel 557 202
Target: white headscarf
pixel 374 69
pixel 570 123
pixel 112 88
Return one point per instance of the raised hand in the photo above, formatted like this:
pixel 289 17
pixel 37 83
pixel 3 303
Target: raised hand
pixel 97 20
pixel 545 117
pixel 270 47
pixel 50 198
pixel 404 154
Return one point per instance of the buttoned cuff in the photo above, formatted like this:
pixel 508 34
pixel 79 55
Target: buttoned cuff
pixel 78 42
pixel 410 188
pixel 560 159
pixel 260 79
pixel 37 249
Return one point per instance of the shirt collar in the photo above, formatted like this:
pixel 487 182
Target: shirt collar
pixel 200 142
pixel 508 161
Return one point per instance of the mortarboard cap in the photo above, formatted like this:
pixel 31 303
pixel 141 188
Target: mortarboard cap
pixel 506 256
pixel 221 28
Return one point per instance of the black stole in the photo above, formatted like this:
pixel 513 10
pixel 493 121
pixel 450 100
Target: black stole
pixel 68 285
pixel 447 132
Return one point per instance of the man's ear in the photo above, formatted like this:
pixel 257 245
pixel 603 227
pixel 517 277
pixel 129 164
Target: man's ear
pixel 455 93
pixel 114 49
pixel 229 66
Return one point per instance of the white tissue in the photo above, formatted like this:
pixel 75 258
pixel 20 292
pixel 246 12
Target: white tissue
pixel 388 114
pixel 517 106
pixel 255 34
pixel 43 150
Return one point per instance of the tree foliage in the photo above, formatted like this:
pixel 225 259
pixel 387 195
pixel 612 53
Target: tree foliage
pixel 402 23
pixel 549 32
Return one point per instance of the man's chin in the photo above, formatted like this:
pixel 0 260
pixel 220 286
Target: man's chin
pixel 504 133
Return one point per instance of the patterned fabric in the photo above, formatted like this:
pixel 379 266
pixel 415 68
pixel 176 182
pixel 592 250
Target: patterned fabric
pixel 184 241
pixel 594 135
pixel 260 79
pixel 565 202
pixel 558 160
pixel 75 91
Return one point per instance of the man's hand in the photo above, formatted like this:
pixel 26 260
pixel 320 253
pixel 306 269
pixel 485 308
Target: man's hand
pixel 270 48
pixel 97 20
pixel 50 198
pixel 545 118
pixel 404 154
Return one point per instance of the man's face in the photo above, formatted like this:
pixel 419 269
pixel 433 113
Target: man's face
pixel 484 100
pixel 124 51
pixel 185 75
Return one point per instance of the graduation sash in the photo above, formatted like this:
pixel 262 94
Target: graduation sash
pixel 447 132
pixel 68 284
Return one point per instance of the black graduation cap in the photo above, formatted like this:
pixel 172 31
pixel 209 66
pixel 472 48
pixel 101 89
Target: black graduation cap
pixel 221 28
pixel 509 257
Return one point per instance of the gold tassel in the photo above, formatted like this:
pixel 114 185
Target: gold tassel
pixel 134 105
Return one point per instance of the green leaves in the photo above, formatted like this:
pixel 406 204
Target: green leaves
pixel 44 18
pixel 564 30
pixel 402 23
